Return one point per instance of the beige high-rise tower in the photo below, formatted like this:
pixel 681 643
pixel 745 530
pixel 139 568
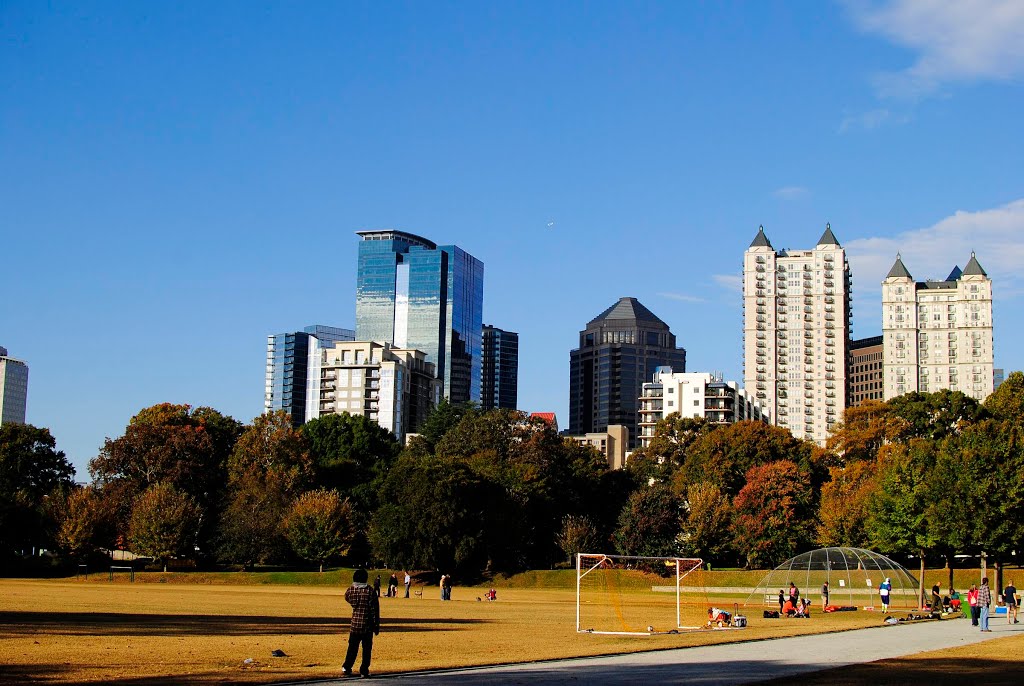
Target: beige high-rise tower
pixel 937 334
pixel 796 333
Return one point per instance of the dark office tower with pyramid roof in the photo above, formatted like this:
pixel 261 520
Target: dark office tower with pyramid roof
pixel 619 350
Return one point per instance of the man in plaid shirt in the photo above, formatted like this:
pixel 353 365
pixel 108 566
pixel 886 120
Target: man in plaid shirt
pixel 984 601
pixel 365 622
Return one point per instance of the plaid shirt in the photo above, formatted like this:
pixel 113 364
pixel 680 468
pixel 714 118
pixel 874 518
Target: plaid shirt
pixel 984 596
pixel 365 609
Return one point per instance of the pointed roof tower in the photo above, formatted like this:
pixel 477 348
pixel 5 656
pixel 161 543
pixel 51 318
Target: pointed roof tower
pixel 828 238
pixel 955 274
pixel 629 309
pixel 973 268
pixel 760 240
pixel 898 271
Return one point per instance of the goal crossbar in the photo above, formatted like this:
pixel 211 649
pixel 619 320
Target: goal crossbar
pixel 683 566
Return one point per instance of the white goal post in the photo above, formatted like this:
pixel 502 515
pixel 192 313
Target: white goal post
pixel 588 564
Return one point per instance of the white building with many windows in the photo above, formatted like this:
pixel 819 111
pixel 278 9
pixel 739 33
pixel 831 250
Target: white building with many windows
pixel 392 386
pixel 693 394
pixel 796 333
pixel 938 334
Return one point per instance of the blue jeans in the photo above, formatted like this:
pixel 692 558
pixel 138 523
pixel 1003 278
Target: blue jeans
pixel 984 617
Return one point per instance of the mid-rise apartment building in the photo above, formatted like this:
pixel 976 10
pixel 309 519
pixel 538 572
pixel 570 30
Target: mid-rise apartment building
pixel 796 333
pixel 866 377
pixel 13 389
pixel 694 394
pixel 288 358
pixel 499 383
pixel 938 334
pixel 394 387
pixel 613 443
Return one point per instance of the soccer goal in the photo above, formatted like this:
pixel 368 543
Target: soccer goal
pixel 616 594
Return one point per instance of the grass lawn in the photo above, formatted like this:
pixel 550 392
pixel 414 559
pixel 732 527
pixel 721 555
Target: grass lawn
pixel 71 631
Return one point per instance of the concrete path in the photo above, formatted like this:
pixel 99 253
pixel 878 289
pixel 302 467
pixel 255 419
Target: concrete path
pixel 730 663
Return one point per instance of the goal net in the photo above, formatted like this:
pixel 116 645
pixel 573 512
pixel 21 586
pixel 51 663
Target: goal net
pixel 635 596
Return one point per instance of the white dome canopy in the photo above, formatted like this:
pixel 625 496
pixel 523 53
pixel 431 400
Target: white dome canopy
pixel 853 576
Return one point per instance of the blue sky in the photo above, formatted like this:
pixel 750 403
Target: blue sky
pixel 178 181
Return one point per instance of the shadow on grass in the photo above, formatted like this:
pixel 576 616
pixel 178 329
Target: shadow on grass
pixel 14 624
pixel 34 675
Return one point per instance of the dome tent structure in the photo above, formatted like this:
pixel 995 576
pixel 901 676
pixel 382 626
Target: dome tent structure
pixel 853 576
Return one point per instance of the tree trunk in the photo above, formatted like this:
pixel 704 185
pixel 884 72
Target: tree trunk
pixel 949 567
pixel 998 588
pixel 165 568
pixel 920 584
pixel 984 565
pixel 321 567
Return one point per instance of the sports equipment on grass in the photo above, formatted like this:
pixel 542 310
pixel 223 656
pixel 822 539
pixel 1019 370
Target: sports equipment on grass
pixel 614 595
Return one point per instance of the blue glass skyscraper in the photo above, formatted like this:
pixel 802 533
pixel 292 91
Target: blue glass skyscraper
pixel 413 293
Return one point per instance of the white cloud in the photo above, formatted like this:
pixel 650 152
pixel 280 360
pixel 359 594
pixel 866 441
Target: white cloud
pixel 730 282
pixel 683 297
pixel 931 252
pixel 790 192
pixel 954 41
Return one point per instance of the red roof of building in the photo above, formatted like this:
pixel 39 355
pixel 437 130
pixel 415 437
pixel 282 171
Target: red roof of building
pixel 548 417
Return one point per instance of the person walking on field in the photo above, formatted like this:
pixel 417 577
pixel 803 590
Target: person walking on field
pixel 408 581
pixel 1010 598
pixel 984 601
pixel 824 596
pixel 365 623
pixel 883 590
pixel 972 602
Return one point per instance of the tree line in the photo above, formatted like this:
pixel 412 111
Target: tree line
pixel 932 475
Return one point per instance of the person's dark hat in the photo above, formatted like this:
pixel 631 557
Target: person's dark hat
pixel 360 576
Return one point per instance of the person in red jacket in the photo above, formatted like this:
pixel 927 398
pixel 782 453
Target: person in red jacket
pixel 365 622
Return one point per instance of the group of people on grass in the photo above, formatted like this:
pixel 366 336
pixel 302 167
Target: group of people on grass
pixel 392 591
pixel 792 605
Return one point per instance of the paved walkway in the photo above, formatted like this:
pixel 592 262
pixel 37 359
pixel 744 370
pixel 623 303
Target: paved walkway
pixel 730 663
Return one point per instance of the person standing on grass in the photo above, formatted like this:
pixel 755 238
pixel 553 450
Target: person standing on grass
pixel 984 602
pixel 883 591
pixel 408 581
pixel 393 586
pixel 972 602
pixel 1010 598
pixel 365 622
pixel 824 596
pixel 782 600
pixel 376 585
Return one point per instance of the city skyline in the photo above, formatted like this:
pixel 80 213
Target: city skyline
pixel 158 185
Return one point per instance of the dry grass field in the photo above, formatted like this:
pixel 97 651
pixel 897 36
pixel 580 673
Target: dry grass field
pixel 62 632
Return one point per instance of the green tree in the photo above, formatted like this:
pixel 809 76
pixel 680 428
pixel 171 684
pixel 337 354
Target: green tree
pixel 31 468
pixel 673 436
pixel 898 509
pixel 350 454
pixel 437 514
pixel 649 523
pixel 1006 403
pixel 773 514
pixel 268 469
pixel 164 523
pixel 544 477
pixel 934 415
pixel 578 535
pixel 320 526
pixel 706 522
